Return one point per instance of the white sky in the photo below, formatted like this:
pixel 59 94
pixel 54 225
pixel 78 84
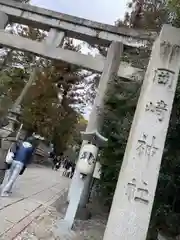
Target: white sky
pixel 105 11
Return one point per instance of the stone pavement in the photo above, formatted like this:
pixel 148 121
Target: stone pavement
pixel 43 228
pixel 33 193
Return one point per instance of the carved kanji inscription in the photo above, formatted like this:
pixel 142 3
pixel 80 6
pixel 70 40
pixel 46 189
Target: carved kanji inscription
pixel 146 146
pixel 137 192
pixel 159 108
pixel 164 77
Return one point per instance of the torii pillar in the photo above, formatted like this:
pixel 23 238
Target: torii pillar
pixel 3 20
pixel 135 191
pixel 95 122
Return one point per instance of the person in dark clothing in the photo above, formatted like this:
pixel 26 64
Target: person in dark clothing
pixel 22 157
pixel 54 161
pixel 69 169
pixel 73 169
pixel 53 157
pixel 58 163
pixel 57 166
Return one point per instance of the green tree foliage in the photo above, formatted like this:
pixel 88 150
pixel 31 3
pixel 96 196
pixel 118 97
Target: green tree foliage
pixel 11 84
pixel 76 139
pixel 54 103
pixel 119 111
pixel 16 67
pixel 53 117
pixel 174 7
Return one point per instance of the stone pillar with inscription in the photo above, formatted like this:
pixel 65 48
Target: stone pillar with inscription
pixel 134 196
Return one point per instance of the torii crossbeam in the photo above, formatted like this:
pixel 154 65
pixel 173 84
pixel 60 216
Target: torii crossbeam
pixel 74 27
pixel 86 30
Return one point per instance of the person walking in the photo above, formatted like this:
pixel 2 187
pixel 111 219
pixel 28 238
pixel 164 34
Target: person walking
pixel 53 158
pixel 22 157
pixel 8 162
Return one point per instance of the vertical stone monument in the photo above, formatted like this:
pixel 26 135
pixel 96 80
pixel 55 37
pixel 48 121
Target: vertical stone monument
pixel 134 196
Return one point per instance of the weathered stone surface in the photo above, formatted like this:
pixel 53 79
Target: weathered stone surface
pixel 3 20
pixel 41 232
pixel 83 230
pixel 75 27
pixel 134 196
pixel 96 118
pixel 85 61
pixel 83 213
pixel 37 189
pixel 5 225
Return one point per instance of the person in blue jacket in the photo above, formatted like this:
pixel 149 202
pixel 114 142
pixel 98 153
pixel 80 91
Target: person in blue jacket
pixel 22 157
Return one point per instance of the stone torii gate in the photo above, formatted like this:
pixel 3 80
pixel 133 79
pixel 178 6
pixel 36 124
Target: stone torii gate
pixel 133 200
pixel 61 25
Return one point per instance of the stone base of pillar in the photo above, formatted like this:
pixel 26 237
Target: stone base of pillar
pixel 83 213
